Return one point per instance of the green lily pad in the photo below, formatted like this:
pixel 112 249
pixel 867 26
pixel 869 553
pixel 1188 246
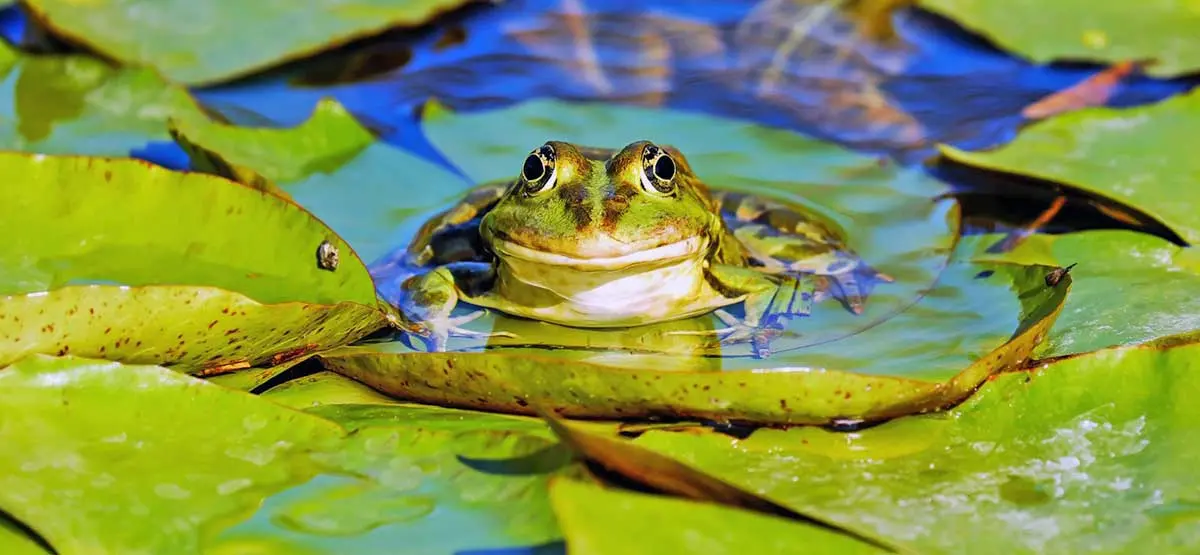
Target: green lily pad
pixel 642 386
pixel 1137 156
pixel 365 190
pixel 1079 30
pixel 203 43
pixel 1095 453
pixel 123 260
pixel 407 481
pixel 15 541
pixel 591 516
pixel 656 472
pixel 324 388
pixel 129 459
pixel 1129 287
pixel 76 104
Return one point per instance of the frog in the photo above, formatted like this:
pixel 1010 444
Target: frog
pixel 593 237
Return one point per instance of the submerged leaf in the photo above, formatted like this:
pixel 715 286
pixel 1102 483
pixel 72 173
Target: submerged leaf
pixel 129 459
pixel 599 521
pixel 75 104
pixel 403 482
pixel 1095 454
pixel 1138 156
pixel 120 259
pixel 1080 30
pixel 202 43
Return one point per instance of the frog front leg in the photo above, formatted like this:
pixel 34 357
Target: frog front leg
pixel 427 302
pixel 768 302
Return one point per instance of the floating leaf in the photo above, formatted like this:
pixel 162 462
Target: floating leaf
pixel 74 104
pixel 664 474
pixel 1129 287
pixel 216 41
pixel 1085 31
pixel 139 459
pixel 1095 453
pixel 586 384
pixel 406 482
pixel 365 190
pixel 1136 156
pixel 16 541
pixel 324 388
pixel 123 260
pixel 591 517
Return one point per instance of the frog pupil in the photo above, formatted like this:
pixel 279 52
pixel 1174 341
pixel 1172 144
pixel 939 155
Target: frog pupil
pixel 664 168
pixel 534 169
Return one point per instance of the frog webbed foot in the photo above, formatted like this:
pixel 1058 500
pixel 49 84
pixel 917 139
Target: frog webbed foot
pixel 436 331
pixel 851 285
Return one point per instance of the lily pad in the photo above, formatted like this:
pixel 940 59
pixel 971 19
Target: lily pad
pixel 591 515
pixel 1079 30
pixel 656 472
pixel 15 541
pixel 1129 287
pixel 586 384
pixel 121 259
pixel 324 388
pixel 405 482
pixel 1137 156
pixel 87 468
pixel 1091 454
pixel 75 104
pixel 364 189
pixel 203 43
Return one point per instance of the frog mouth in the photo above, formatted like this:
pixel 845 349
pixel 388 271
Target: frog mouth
pixel 660 254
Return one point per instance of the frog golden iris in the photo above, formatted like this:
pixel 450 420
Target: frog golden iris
pixel 598 238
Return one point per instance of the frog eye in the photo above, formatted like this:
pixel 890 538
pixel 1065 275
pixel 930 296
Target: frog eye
pixel 658 170
pixel 538 171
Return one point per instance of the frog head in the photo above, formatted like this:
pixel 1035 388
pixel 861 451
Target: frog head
pixel 583 208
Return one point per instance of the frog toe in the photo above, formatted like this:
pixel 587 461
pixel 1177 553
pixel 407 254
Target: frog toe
pixel 853 287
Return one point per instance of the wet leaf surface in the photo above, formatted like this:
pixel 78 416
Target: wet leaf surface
pixel 1092 454
pixel 75 104
pixel 108 265
pixel 663 474
pixel 16 541
pixel 1129 287
pixel 589 515
pixel 324 388
pixel 86 467
pixel 215 41
pixel 1085 31
pixel 406 482
pixel 1135 156
pixel 600 384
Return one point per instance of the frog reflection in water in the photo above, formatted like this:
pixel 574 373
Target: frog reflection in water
pixel 596 238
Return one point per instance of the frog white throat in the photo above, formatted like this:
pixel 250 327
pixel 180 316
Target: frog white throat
pixel 648 286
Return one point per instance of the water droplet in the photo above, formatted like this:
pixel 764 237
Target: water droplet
pixel 233 486
pixel 171 491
